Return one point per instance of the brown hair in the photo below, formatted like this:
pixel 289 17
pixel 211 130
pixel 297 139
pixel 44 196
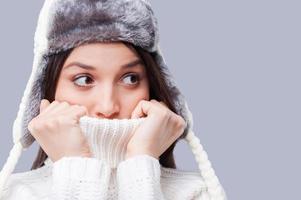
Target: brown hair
pixel 157 86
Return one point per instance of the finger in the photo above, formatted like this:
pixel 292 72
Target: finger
pixel 51 106
pixel 161 107
pixel 141 110
pixel 77 111
pixel 60 107
pixel 164 104
pixel 43 105
pixel 159 103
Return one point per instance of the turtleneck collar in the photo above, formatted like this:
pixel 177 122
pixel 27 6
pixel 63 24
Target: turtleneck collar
pixel 107 138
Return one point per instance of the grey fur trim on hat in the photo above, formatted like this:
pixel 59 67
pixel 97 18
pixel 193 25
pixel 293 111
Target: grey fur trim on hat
pixel 68 24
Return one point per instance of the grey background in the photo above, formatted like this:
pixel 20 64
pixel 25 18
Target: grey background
pixel 237 63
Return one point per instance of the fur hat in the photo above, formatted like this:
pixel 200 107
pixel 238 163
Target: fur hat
pixel 65 24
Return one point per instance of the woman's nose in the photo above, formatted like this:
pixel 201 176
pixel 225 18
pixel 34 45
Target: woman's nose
pixel 106 105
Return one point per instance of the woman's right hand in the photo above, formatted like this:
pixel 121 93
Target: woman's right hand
pixel 57 130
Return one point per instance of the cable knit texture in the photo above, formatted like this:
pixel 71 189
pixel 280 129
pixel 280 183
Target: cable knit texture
pixel 108 138
pixel 107 175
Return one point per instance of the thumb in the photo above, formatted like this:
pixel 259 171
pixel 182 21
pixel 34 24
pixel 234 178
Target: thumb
pixel 44 104
pixel 141 109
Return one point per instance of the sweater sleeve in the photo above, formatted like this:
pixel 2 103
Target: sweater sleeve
pixel 79 178
pixel 138 177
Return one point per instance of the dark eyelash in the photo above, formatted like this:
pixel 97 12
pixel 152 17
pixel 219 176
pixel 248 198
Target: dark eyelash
pixel 81 76
pixel 135 75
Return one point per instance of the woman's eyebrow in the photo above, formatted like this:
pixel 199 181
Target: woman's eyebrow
pixel 131 64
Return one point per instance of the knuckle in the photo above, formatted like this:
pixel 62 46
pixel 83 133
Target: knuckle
pixel 180 121
pixel 81 109
pixel 164 113
pixel 35 125
pixel 53 123
pixel 59 120
pixel 55 102
pixel 31 125
pixel 180 125
pixel 163 103
pixel 76 106
pixel 49 125
pixel 167 113
pixel 65 103
pixel 143 101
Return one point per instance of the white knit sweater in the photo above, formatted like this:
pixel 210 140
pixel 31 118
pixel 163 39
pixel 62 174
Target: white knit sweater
pixel 140 177
pixel 103 178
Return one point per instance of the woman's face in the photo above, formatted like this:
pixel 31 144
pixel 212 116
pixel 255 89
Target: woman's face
pixel 107 78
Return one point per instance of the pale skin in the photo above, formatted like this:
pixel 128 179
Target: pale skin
pixel 104 90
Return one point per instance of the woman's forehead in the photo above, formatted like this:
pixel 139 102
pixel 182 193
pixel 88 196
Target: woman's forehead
pixel 101 55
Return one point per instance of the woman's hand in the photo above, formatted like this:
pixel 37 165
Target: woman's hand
pixel 159 130
pixel 57 130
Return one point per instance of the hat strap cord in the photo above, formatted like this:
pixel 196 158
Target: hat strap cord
pixel 215 189
pixel 9 165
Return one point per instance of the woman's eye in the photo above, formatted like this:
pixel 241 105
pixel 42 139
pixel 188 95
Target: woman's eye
pixel 83 81
pixel 132 78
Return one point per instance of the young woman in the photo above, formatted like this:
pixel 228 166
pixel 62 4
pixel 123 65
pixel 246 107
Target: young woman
pixel 104 109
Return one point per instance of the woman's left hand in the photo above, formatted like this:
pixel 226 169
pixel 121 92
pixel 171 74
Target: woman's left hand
pixel 159 130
